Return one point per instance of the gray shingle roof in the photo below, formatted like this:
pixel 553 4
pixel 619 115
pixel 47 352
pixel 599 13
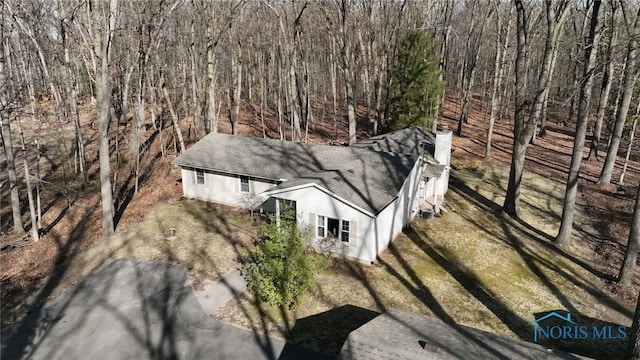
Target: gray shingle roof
pixel 406 141
pixel 400 334
pixel 368 179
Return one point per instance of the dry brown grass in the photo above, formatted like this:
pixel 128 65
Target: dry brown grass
pixel 207 243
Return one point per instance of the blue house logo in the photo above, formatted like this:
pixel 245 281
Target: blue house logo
pixel 571 330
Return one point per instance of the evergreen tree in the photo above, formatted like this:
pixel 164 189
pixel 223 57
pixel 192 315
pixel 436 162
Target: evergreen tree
pixel 280 269
pixel 416 88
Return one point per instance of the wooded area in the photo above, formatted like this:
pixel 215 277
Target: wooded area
pixel 188 65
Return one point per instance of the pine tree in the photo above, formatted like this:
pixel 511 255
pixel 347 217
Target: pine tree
pixel 416 87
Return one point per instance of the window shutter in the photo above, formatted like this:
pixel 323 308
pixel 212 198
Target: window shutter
pixel 353 233
pixel 312 224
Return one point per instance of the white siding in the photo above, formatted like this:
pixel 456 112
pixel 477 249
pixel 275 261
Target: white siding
pixel 443 155
pixel 219 188
pixel 311 200
pixel 372 235
pixel 390 221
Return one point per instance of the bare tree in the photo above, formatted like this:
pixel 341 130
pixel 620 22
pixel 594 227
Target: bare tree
pixel 633 344
pixel 502 46
pixel 104 21
pixel 235 88
pixel 631 138
pixel 212 42
pixel 347 71
pixel 633 245
pixel 523 131
pixel 286 40
pixel 174 117
pixel 481 13
pixel 35 230
pixel 590 54
pixel 5 108
pixel 632 24
pixel 607 81
pixel 218 23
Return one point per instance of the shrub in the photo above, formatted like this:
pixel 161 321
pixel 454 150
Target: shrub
pixel 280 269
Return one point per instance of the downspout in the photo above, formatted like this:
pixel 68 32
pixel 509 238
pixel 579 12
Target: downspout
pixel 435 195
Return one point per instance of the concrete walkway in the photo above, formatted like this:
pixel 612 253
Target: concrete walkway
pixel 229 287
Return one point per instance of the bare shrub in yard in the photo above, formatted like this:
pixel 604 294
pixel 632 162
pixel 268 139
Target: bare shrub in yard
pixel 280 269
pixel 250 203
pixel 330 246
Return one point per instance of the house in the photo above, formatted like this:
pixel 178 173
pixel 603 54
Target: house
pixel 357 198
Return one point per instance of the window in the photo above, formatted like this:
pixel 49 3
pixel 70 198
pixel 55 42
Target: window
pixel 200 177
pixel 244 184
pixel 344 234
pixel 334 228
pixel 321 226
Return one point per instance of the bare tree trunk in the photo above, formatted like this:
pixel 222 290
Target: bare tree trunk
pixel 72 95
pixel 174 118
pixel 545 100
pixel 631 136
pixel 293 103
pixel 34 120
pixel 235 90
pixel 366 51
pixel 38 186
pixel 347 71
pixel 263 95
pixel 466 97
pixel 103 32
pixel 334 88
pixel 556 13
pixel 625 101
pixel 35 230
pixel 6 82
pixel 279 106
pixel 523 131
pixel 501 52
pixel 607 81
pixel 472 46
pixel 18 227
pixel 576 67
pixel 625 277
pixel 212 118
pixel 566 224
pixel 633 344
pixel 195 86
pixel 79 138
pixel 138 127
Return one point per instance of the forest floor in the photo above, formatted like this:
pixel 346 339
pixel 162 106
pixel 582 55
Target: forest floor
pixel 473 265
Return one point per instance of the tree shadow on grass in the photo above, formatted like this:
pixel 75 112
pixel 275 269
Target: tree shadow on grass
pixel 540 237
pixel 498 348
pixel 472 284
pixel 517 229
